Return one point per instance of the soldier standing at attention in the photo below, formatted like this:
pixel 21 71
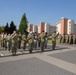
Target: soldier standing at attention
pixel 19 40
pixel 14 42
pixel 39 40
pixel 74 38
pixel 67 38
pixel 30 41
pixel 70 39
pixel 63 38
pixel 54 35
pixel 24 39
pixel 9 42
pixel 46 39
pixel 5 41
pixel 35 40
pixel 42 36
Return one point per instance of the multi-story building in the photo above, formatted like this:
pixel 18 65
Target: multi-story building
pixel 66 26
pixel 46 27
pixel 41 27
pixel 32 28
pixel 52 29
pixel 35 28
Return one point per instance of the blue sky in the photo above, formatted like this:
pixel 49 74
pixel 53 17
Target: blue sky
pixel 49 11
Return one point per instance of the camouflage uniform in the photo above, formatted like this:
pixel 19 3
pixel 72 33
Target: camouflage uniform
pixel 35 40
pixel 19 40
pixel 66 38
pixel 60 38
pixel 9 42
pixel 74 38
pixel 5 41
pixel 2 40
pixel 63 39
pixel 42 36
pixel 39 40
pixel 24 39
pixel 54 35
pixel 70 39
pixel 14 43
pixel 46 39
pixel 30 42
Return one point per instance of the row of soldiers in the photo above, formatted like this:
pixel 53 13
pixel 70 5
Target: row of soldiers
pixel 16 41
pixel 68 39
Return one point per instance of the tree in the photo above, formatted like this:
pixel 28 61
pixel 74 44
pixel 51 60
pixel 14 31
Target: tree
pixel 6 28
pixel 23 24
pixel 12 27
pixel 1 29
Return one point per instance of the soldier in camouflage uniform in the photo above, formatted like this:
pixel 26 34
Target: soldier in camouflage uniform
pixel 14 42
pixel 9 42
pixel 19 40
pixel 70 39
pixel 35 40
pixel 66 38
pixel 5 41
pixel 24 39
pixel 39 40
pixel 30 41
pixel 74 38
pixel 46 39
pixel 54 35
pixel 42 36
pixel 2 39
pixel 63 38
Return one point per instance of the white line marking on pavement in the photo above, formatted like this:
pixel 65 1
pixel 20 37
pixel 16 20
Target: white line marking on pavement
pixel 1 54
pixel 59 63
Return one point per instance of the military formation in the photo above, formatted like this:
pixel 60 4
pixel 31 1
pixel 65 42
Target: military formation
pixel 13 42
pixel 68 39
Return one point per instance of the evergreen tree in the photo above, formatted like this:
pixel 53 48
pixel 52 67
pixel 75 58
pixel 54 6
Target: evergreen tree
pixel 1 29
pixel 23 24
pixel 12 27
pixel 6 28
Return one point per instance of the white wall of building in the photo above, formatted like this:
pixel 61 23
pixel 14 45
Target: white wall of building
pixel 35 28
pixel 70 27
pixel 58 27
pixel 47 28
pixel 39 29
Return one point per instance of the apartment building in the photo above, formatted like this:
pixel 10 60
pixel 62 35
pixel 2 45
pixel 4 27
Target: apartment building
pixel 66 26
pixel 33 28
pixel 46 27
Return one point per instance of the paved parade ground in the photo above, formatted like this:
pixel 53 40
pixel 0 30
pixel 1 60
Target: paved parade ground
pixel 61 61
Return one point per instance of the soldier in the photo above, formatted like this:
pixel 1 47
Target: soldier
pixel 19 40
pixel 60 36
pixel 63 38
pixel 67 38
pixel 35 40
pixel 54 35
pixel 14 42
pixel 39 40
pixel 74 38
pixel 2 39
pixel 42 36
pixel 30 41
pixel 24 39
pixel 9 42
pixel 46 39
pixel 5 41
pixel 70 39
